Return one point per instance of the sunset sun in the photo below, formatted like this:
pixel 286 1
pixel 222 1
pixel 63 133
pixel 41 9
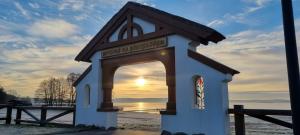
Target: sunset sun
pixel 140 81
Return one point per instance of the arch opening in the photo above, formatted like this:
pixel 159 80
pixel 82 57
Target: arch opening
pixel 138 83
pixel 110 65
pixel 140 92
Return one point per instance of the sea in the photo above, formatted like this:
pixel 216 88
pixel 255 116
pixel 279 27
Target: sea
pixel 250 100
pixel 143 113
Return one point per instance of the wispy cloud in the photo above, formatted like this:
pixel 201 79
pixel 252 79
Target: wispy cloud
pixel 71 4
pixel 241 17
pixel 46 42
pixel 258 4
pixel 23 68
pixel 27 59
pixel 52 28
pixel 34 5
pixel 22 10
pixel 215 23
pixel 258 55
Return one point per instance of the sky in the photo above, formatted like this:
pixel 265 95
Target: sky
pixel 40 39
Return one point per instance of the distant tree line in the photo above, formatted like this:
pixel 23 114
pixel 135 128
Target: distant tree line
pixel 5 95
pixel 57 91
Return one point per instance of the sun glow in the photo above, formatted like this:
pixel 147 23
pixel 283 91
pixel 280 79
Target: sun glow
pixel 140 81
pixel 141 106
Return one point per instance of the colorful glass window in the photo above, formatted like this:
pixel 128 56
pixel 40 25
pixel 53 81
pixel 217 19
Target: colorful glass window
pixel 199 92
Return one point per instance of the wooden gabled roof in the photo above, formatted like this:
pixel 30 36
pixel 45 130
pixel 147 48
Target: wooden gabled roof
pixel 86 71
pixel 212 63
pixel 165 24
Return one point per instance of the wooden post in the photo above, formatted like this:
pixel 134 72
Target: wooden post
pixel 8 114
pixel 239 119
pixel 74 115
pixel 292 62
pixel 43 116
pixel 18 116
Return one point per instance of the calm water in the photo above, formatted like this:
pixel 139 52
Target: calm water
pixel 250 100
pixel 150 118
pixel 258 100
pixel 147 107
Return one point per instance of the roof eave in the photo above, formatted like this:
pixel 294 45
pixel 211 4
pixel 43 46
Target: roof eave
pixel 86 71
pixel 212 63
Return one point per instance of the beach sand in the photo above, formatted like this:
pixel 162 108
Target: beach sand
pixel 146 121
pixel 137 122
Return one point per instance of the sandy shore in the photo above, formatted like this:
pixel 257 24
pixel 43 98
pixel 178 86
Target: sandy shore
pixel 35 130
pixel 135 122
pixel 142 121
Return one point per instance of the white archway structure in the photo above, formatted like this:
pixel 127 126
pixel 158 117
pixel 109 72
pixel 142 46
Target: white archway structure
pixel 139 33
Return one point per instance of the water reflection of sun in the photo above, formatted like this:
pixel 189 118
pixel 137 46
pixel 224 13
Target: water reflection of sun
pixel 141 106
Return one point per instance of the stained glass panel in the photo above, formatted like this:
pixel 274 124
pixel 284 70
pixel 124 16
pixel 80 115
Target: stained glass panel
pixel 199 92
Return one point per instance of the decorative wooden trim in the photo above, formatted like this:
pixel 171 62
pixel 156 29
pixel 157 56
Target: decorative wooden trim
pixel 122 32
pixel 138 28
pixel 174 24
pixel 176 29
pixel 144 37
pixel 82 76
pixel 129 26
pixel 135 48
pixel 110 65
pixel 211 63
pixel 102 35
pixel 129 41
pixel 125 28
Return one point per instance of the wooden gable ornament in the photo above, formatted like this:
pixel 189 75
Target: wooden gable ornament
pixel 129 32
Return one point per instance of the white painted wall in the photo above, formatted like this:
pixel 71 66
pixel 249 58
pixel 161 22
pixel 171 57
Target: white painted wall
pixel 88 115
pixel 213 120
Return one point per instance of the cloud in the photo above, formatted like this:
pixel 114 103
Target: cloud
pixel 23 69
pixel 71 4
pixel 258 4
pixel 34 5
pixel 33 50
pixel 215 23
pixel 52 28
pixel 94 8
pixel 258 55
pixel 22 10
pixel 76 5
pixel 242 17
pixel 81 17
pixel 25 60
pixel 155 86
